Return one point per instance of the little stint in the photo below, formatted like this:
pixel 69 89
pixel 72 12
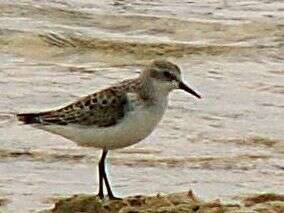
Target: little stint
pixel 116 117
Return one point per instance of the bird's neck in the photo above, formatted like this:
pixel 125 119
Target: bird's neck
pixel 151 92
pixel 146 89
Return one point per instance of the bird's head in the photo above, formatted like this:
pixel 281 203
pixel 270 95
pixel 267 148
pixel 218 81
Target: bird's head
pixel 166 76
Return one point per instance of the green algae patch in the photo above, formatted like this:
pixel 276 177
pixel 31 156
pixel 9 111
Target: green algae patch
pixel 262 198
pixel 184 202
pixel 78 203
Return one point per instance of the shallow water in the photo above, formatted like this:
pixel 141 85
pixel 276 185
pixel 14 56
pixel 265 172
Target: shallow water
pixel 230 142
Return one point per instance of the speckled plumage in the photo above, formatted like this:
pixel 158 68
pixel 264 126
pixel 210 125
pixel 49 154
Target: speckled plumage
pixel 116 117
pixel 102 109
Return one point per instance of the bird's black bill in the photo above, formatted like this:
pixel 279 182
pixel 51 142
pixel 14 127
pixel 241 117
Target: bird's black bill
pixel 184 87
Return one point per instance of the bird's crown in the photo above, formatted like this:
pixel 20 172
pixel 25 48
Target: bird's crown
pixel 163 70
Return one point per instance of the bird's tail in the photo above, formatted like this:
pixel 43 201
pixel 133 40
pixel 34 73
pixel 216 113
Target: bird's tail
pixel 29 118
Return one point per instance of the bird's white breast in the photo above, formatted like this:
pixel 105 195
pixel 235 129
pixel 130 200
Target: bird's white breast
pixel 136 125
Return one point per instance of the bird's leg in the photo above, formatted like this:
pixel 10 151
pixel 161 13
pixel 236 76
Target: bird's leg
pixel 104 175
pixel 101 183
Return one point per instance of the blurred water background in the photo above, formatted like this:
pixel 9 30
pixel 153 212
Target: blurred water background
pixel 228 143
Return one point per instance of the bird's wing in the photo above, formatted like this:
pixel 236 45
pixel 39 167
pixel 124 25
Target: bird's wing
pixel 104 108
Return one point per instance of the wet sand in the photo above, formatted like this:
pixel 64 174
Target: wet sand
pixel 230 143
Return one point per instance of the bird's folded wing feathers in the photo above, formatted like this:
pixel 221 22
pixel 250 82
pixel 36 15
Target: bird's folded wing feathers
pixel 102 109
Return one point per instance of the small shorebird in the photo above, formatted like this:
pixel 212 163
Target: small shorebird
pixel 116 117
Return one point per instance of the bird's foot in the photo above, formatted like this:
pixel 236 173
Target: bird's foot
pixel 112 197
pixel 101 196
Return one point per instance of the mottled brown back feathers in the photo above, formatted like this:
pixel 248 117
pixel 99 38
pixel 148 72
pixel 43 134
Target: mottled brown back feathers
pixel 103 108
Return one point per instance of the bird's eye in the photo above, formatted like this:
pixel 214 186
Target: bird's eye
pixel 168 75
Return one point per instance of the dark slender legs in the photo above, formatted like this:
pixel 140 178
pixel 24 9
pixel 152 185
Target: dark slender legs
pixel 103 178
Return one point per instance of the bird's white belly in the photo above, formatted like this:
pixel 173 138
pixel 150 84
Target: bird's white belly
pixel 134 127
